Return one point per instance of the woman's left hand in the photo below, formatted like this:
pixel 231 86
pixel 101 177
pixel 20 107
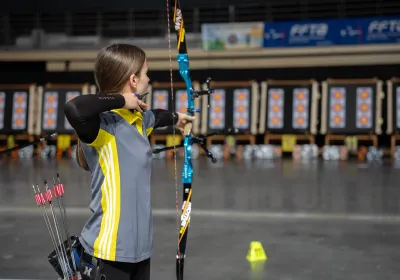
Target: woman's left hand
pixel 183 119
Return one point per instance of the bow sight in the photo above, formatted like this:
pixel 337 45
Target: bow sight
pixel 208 92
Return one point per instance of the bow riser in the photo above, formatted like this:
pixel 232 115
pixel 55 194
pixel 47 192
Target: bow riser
pixel 187 172
pixel 183 62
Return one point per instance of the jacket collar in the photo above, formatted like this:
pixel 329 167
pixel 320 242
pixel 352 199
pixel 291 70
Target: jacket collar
pixel 128 115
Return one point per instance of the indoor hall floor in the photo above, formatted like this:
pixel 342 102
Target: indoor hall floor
pixel 315 220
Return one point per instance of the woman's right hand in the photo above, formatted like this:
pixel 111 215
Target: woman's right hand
pixel 132 102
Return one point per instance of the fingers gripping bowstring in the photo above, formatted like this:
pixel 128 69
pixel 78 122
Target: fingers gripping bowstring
pixel 173 126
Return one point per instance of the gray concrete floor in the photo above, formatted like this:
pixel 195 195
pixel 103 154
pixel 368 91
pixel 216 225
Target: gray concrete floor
pixel 316 220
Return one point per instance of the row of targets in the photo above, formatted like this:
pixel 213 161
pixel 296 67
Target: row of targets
pixel 296 107
pixel 33 110
pixel 346 107
pixel 283 106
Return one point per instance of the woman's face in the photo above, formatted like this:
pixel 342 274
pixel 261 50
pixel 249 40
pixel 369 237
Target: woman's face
pixel 142 82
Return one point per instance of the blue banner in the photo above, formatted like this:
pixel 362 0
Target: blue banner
pixel 332 32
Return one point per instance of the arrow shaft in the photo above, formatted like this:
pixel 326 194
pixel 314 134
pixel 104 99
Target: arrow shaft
pixel 60 199
pixel 52 235
pixel 43 139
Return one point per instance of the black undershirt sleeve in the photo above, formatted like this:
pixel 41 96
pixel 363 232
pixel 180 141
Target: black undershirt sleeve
pixel 83 111
pixel 164 118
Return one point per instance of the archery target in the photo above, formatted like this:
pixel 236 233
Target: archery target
pixel 69 96
pixel 241 108
pixel 160 99
pixel 275 108
pixel 20 105
pixel 300 108
pixel 50 110
pixel 288 106
pixel 217 114
pixel 351 106
pixel 16 110
pixel 2 108
pixel 232 105
pixel 364 107
pixel 181 101
pixel 393 106
pixel 337 114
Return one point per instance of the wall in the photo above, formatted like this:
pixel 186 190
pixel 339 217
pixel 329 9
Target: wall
pixel 23 72
pixel 105 5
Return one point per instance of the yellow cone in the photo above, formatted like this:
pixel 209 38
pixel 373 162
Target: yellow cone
pixel 256 252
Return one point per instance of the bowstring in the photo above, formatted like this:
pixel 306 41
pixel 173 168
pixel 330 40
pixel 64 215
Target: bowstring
pixel 173 128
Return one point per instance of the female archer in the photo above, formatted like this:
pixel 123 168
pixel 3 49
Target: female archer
pixel 113 129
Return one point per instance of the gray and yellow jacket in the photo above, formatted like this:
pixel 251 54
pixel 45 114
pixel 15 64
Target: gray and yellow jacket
pixel 117 150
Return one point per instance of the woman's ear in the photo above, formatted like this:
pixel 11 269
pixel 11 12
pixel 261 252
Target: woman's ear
pixel 132 81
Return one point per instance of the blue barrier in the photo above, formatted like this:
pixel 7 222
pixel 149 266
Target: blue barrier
pixel 332 32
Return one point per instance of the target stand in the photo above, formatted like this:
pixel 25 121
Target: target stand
pixel 289 110
pixel 331 138
pixel 352 143
pixel 394 139
pixel 232 105
pixel 297 138
pixel 17 119
pixel 160 97
pixel 352 112
pixel 51 118
pixel 393 113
